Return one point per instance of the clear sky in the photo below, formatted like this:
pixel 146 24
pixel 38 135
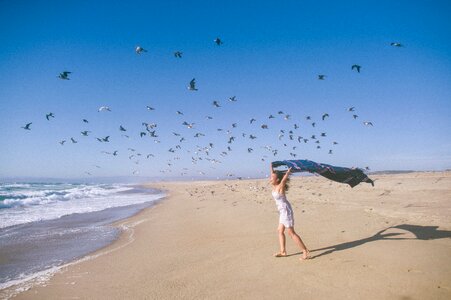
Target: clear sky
pixel 270 59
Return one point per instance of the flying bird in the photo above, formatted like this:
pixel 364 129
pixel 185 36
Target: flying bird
pixel 73 141
pixel 179 113
pixel 85 133
pixel 150 108
pixel 122 128
pixel 367 123
pixel 252 120
pixel 326 115
pixel 355 116
pixel 396 44
pixel 264 126
pixel 64 75
pixel 86 121
pixel 357 67
pixel 49 115
pixel 218 41
pixel 216 103
pixel 192 85
pixel 321 77
pixel 178 54
pixel 62 142
pixel 140 50
pixel 27 127
pixel 104 108
pixel 351 109
pixel 232 99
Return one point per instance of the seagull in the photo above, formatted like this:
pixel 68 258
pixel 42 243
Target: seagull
pixel 208 118
pixel 271 117
pixel 105 139
pixel 86 121
pixel 355 116
pixel 367 123
pixel 321 77
pixel 150 108
pixel 308 118
pixel 326 115
pixel 150 155
pixel 357 67
pixel 47 116
pixel 192 85
pixel 64 75
pixel 189 125
pixel 351 109
pixel 323 134
pixel 62 142
pixel 85 133
pixel 330 151
pixel 122 128
pixel 140 50
pixel 179 113
pixel 250 150
pixel 234 125
pixel 73 141
pixel 396 44
pixel 335 143
pixel 178 54
pixel 287 117
pixel 218 41
pixel 27 127
pixel 296 126
pixel 99 139
pixel 115 153
pixel 252 120
pixel 216 103
pixel 232 99
pixel 264 126
pixel 142 133
pixel 252 137
pixel 313 124
pixel 104 108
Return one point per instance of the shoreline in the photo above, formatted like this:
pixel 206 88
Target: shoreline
pixel 109 221
pixel 189 246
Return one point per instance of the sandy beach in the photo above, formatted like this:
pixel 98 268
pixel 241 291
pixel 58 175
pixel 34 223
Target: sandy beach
pixel 215 240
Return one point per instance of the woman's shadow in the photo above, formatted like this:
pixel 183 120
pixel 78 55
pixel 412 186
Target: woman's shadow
pixel 419 232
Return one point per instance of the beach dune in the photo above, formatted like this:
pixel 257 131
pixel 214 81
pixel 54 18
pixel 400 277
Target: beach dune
pixel 215 240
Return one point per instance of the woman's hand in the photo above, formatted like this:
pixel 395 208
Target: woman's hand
pixel 289 170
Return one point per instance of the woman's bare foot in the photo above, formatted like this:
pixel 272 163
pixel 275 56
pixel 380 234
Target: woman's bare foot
pixel 280 254
pixel 305 255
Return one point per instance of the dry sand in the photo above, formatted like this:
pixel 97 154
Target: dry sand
pixel 215 240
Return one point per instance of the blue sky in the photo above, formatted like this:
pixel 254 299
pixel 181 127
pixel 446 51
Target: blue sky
pixel 270 59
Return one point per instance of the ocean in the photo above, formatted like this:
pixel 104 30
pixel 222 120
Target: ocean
pixel 46 225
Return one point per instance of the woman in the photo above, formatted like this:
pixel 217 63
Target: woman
pixel 279 187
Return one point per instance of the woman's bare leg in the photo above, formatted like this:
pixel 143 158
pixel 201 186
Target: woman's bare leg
pixel 281 231
pixel 297 239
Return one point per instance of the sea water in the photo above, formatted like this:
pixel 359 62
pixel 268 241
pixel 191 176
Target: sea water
pixel 45 225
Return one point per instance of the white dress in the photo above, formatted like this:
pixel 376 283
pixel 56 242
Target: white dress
pixel 284 208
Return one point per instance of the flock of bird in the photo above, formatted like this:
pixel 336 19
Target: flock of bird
pixel 205 152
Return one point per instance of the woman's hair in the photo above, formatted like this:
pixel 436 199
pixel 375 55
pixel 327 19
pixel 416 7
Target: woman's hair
pixel 280 175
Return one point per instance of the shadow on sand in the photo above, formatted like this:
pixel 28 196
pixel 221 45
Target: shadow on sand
pixel 419 233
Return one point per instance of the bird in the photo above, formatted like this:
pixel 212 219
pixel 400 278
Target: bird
pixel 189 125
pixel 357 67
pixel 85 133
pixel 73 141
pixel 178 54
pixel 179 113
pixel 286 117
pixel 313 124
pixel 325 116
pixel 86 121
pixel 271 117
pixel 27 126
pixel 234 125
pixel 355 116
pixel 264 126
pixel 367 123
pixel 252 120
pixel 396 44
pixel 252 137
pixel 321 77
pixel 62 142
pixel 150 108
pixel 335 143
pixel 351 108
pixel 296 126
pixel 105 139
pixel 49 115
pixel 250 150
pixel 308 118
pixel 192 85
pixel 232 99
pixel 115 153
pixel 122 128
pixel 218 41
pixel 330 151
pixel 140 50
pixel 142 133
pixel 323 134
pixel 64 75
pixel 104 108
pixel 208 118
pixel 216 103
